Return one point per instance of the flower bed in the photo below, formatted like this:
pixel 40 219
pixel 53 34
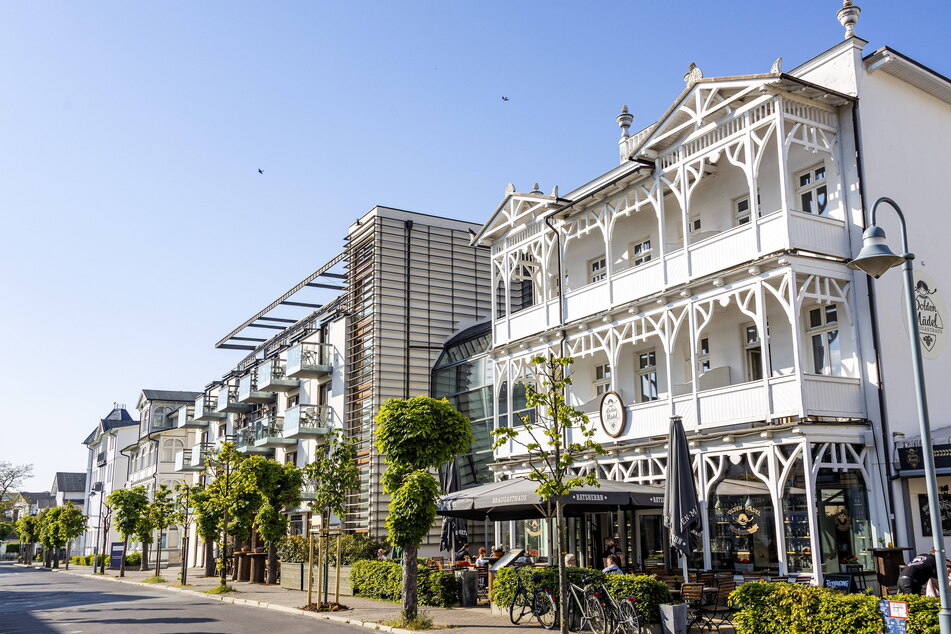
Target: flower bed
pixel 384 580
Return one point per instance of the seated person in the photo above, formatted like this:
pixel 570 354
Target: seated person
pixel 615 566
pixel 463 553
pixel 570 561
pixel 482 559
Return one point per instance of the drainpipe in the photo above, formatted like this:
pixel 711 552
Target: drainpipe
pixel 408 225
pixel 876 334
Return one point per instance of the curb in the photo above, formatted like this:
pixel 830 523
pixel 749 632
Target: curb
pixel 248 602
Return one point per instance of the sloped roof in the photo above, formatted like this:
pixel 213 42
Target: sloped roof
pixel 118 417
pixel 67 482
pixel 170 395
pixel 40 498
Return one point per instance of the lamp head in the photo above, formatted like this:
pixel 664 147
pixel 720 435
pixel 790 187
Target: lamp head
pixel 875 257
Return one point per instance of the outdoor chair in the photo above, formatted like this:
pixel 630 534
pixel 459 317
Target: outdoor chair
pixel 752 578
pixel 804 580
pixel 692 595
pixel 858 575
pixel 718 611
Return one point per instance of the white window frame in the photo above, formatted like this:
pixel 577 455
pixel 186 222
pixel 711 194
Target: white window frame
pixel 812 188
pixel 749 347
pixel 602 379
pixel 597 269
pixel 821 336
pixel 742 217
pixel 639 254
pixel 703 356
pixel 694 225
pixel 646 371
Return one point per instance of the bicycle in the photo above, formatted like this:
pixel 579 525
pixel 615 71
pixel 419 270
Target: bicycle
pixel 540 603
pixel 589 608
pixel 620 613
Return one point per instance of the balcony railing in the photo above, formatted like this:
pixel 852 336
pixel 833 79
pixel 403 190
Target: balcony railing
pixel 248 391
pixel 228 401
pixel 101 458
pixel 269 432
pixel 272 376
pixel 185 419
pixel 310 360
pixel 307 421
pixel 206 409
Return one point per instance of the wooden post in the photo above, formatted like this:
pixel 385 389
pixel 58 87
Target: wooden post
pixel 320 566
pixel 310 569
pixel 339 554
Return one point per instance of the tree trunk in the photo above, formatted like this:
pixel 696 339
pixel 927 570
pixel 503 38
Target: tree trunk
pixel 209 559
pixel 562 571
pixel 410 569
pixel 158 554
pixel 144 564
pixel 68 549
pixel 271 563
pixel 56 557
pixel 47 558
pixel 125 546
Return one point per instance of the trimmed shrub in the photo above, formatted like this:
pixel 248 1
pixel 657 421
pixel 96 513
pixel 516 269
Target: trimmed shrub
pixel 777 608
pixel 293 549
pixel 384 580
pixel 922 613
pixel 77 560
pixel 359 546
pixel 133 559
pixel 647 589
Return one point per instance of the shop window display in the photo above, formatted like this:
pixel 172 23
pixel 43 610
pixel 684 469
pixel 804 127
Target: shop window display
pixel 742 522
pixel 796 521
pixel 844 528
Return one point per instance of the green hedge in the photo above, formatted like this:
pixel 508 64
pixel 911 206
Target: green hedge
pixel 384 580
pixel 777 608
pixel 133 559
pixel 650 592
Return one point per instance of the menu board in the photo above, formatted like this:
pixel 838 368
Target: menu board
pixel 507 559
pixel 925 511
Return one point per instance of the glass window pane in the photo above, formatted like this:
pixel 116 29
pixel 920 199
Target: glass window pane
pixel 815 318
pixel 742 522
pixel 821 199
pixel 818 355
pixel 704 346
pixel 806 202
pixel 805 179
pixel 835 353
pixel 832 314
pixel 820 173
pixel 796 524
pixel 751 335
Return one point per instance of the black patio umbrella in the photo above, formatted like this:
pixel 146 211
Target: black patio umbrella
pixel 453 528
pixel 681 506
pixel 516 500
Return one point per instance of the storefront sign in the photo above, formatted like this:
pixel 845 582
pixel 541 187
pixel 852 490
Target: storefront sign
pixel 925 510
pixel 932 316
pixel 842 582
pixel 910 458
pixel 744 520
pixel 613 414
pixel 895 614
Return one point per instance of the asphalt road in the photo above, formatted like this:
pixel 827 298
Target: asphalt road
pixel 37 601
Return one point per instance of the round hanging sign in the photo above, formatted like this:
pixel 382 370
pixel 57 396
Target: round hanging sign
pixel 613 414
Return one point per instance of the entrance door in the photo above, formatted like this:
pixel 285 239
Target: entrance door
pixel 650 539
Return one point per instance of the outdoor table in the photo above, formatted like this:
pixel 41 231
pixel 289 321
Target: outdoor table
pixel 240 567
pixel 258 560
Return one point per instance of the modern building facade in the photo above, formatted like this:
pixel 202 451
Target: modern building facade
pixel 705 278
pixel 366 326
pixel 106 471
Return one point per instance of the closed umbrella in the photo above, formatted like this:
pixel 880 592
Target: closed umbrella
pixel 681 506
pixel 453 528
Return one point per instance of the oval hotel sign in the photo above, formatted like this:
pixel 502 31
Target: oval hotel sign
pixel 613 414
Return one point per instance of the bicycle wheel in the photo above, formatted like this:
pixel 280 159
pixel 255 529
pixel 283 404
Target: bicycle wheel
pixel 519 607
pixel 546 611
pixel 628 621
pixel 594 614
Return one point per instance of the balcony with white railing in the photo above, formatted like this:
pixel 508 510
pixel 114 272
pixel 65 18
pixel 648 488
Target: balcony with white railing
pixel 249 392
pixel 245 439
pixel 272 377
pixel 309 360
pixel 269 432
pixel 206 409
pixel 185 419
pixel 194 459
pixel 307 421
pixel 228 401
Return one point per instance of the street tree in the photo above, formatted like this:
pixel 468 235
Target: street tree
pixel 50 535
pixel 70 524
pixel 7 531
pixel 160 511
pixel 127 506
pixel 28 530
pixel 11 479
pixel 207 520
pixel 416 435
pixel 233 499
pixel 278 487
pixel 145 535
pixel 553 439
pixel 332 474
pixel 182 515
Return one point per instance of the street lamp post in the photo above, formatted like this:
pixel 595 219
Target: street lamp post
pixel 875 259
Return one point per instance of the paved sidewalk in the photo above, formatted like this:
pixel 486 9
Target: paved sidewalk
pixel 364 612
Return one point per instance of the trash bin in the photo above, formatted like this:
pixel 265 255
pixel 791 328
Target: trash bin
pixel 673 618
pixel 469 582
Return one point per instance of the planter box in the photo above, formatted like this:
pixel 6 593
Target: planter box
pixel 294 577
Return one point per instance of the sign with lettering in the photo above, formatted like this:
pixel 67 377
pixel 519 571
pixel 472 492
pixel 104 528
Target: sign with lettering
pixel 613 414
pixel 895 614
pixel 744 520
pixel 842 582
pixel 910 458
pixel 115 555
pixel 944 504
pixel 932 315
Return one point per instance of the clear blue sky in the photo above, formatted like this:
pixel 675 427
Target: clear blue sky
pixel 136 230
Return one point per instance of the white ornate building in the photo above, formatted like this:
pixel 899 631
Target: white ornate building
pixel 705 277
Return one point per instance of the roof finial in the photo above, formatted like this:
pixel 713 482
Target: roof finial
pixel 693 74
pixel 535 189
pixel 848 15
pixel 624 121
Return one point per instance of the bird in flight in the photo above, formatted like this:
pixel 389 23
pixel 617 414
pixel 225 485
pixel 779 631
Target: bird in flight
pixel 260 171
pixel 505 98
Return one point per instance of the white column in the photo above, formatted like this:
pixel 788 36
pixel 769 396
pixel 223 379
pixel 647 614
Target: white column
pixel 812 504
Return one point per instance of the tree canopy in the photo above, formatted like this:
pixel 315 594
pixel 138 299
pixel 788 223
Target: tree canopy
pixel 11 479
pixel 333 473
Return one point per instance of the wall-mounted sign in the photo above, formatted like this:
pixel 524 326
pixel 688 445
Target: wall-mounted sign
pixel 910 458
pixel 744 520
pixel 944 504
pixel 613 414
pixel 932 316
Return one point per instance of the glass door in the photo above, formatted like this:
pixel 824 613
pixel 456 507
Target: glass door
pixel 649 551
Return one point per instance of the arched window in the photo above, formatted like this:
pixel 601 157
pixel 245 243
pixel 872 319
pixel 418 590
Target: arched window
pixel 170 447
pixel 160 417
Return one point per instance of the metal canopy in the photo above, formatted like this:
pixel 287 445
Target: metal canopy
pixel 293 311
